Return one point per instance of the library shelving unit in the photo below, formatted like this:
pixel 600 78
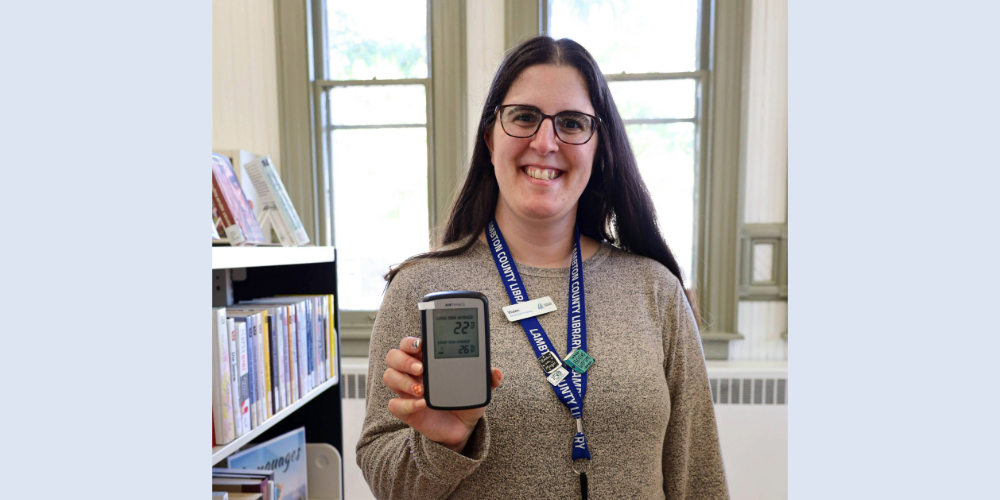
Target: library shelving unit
pixel 243 273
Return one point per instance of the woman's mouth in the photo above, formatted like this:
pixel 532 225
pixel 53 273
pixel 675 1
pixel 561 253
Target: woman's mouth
pixel 546 174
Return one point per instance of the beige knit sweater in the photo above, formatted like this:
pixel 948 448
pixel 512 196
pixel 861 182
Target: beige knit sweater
pixel 647 414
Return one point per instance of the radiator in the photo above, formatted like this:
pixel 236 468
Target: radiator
pixel 751 410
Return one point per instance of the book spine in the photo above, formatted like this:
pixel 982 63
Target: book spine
pixel 320 338
pixel 304 349
pixel 266 354
pixel 222 398
pixel 332 322
pixel 303 354
pixel 241 328
pixel 258 371
pixel 234 371
pixel 229 225
pixel 313 345
pixel 252 373
pixel 272 328
pixel 293 352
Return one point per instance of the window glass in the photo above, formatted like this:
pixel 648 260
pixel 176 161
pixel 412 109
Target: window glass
pixel 366 42
pixel 380 207
pixel 632 36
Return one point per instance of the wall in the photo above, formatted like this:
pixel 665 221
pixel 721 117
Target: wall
pixel 766 180
pixel 485 47
pixel 244 78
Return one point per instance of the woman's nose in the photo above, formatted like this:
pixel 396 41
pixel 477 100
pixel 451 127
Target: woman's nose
pixel 545 140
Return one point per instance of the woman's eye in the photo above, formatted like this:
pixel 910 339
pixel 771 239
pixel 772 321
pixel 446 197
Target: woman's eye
pixel 524 117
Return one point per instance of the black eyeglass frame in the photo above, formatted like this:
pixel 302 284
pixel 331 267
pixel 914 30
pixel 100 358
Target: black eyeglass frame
pixel 555 129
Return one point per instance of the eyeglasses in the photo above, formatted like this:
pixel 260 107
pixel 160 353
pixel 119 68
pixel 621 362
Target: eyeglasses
pixel 523 121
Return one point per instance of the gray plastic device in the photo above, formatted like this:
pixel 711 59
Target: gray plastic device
pixel 455 329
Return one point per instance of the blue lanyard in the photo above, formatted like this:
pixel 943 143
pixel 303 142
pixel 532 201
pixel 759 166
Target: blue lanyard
pixel 571 394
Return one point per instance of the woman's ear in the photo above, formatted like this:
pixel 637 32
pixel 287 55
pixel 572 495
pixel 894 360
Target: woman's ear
pixel 489 140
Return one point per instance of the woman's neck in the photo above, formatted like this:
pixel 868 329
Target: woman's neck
pixel 542 243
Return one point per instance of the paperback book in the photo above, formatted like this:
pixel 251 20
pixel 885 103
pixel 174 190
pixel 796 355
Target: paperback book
pixel 230 204
pixel 286 456
pixel 276 209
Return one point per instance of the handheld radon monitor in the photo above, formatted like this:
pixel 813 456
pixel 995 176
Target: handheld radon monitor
pixel 456 336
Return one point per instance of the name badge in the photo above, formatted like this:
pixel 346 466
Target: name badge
pixel 529 309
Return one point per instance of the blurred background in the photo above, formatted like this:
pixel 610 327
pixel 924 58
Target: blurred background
pixel 369 111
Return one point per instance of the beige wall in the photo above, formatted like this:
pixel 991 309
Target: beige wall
pixel 244 78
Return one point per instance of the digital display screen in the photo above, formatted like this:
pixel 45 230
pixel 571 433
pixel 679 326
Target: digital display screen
pixel 456 333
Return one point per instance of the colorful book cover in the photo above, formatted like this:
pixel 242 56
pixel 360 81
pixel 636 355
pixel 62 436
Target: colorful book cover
pixel 231 204
pixel 276 207
pixel 222 397
pixel 234 371
pixel 286 456
pixel 252 368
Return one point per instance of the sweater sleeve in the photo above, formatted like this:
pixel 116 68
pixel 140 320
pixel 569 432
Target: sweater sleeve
pixel 397 461
pixel 692 458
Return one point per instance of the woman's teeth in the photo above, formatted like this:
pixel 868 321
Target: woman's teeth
pixel 542 173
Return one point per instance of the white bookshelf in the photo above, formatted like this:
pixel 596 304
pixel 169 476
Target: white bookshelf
pixel 221 452
pixel 241 257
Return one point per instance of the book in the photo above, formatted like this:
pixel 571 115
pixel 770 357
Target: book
pixel 286 456
pixel 220 495
pixel 276 208
pixel 258 317
pixel 222 397
pixel 251 368
pixel 229 201
pixel 234 371
pixel 215 230
pixel 244 414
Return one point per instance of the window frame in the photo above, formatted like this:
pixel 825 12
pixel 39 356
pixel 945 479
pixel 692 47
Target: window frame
pixel 446 125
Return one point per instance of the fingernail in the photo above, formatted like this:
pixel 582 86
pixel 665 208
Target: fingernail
pixel 418 389
pixel 416 344
pixel 417 368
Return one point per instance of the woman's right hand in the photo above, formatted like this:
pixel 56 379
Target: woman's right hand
pixel 404 377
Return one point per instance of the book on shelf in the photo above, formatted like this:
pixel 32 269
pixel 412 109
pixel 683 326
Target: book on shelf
pixel 276 209
pixel 271 343
pixel 230 204
pixel 222 398
pixel 285 457
pixel 215 230
pixel 241 484
pixel 244 386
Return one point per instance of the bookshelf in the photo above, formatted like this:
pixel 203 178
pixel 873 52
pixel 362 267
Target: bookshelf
pixel 243 273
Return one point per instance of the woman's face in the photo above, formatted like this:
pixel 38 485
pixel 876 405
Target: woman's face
pixel 523 167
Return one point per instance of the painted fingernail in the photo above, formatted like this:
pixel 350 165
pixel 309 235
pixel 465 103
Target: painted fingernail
pixel 417 368
pixel 418 389
pixel 416 344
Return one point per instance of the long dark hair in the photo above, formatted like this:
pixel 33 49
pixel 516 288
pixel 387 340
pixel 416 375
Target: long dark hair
pixel 615 206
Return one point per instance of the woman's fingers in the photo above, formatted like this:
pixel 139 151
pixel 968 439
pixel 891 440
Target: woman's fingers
pixel 497 377
pixel 411 345
pixel 402 384
pixel 403 408
pixel 401 361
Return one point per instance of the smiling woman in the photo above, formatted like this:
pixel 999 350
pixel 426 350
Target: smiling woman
pixel 554 185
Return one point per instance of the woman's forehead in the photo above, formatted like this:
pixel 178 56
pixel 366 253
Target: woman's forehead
pixel 551 88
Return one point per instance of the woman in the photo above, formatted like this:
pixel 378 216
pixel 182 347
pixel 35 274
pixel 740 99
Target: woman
pixel 551 156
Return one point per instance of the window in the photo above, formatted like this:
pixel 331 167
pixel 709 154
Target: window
pixel 377 135
pixel 648 50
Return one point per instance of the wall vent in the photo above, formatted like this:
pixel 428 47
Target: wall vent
pixel 745 391
pixel 355 386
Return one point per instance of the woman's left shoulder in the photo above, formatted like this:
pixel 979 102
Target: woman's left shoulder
pixel 640 269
